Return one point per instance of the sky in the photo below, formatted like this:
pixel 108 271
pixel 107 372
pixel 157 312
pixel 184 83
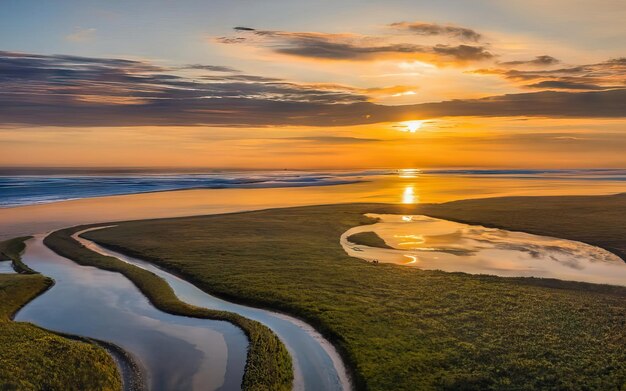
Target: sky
pixel 313 84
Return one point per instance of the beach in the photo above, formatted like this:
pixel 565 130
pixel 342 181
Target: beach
pixel 402 187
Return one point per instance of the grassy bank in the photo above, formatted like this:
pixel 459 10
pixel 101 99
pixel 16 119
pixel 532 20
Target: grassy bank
pixel 268 365
pixel 399 328
pixel 35 359
pixel 368 238
pixel 11 250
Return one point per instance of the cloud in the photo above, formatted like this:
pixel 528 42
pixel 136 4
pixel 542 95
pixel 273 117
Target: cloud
pixel 564 85
pixel 433 29
pixel 354 47
pixel 464 52
pixel 390 91
pixel 538 61
pixel 609 74
pixel 211 68
pixel 332 140
pixel 81 35
pixel 58 90
pixel 610 104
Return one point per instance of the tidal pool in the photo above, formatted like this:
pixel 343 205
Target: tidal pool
pixel 434 244
pixel 175 352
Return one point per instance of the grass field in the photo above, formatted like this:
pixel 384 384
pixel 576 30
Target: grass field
pixel 268 365
pixel 35 359
pixel 403 328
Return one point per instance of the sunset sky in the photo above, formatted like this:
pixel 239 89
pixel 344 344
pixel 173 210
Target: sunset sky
pixel 313 84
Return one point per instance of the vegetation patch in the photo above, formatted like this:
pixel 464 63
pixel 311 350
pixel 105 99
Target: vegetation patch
pixel 401 328
pixel 268 365
pixel 368 238
pixel 32 358
pixel 11 250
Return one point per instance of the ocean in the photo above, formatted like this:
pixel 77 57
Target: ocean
pixel 29 189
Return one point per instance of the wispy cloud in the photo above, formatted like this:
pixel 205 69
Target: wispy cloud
pixel 435 29
pixel 82 91
pixel 211 68
pixel 609 74
pixel 354 47
pixel 539 61
pixel 81 35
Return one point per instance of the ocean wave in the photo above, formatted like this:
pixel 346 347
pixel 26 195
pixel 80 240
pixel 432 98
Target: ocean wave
pixel 39 189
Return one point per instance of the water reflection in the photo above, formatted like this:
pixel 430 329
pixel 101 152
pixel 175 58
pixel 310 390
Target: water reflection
pixel 6 267
pixel 26 220
pixel 408 195
pixel 317 365
pixel 436 244
pixel 176 352
pixel 408 173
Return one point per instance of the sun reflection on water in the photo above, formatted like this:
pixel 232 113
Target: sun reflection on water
pixel 408 173
pixel 408 196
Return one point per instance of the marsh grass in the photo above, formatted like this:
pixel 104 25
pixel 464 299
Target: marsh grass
pixel 368 238
pixel 11 250
pixel 402 328
pixel 268 365
pixel 32 358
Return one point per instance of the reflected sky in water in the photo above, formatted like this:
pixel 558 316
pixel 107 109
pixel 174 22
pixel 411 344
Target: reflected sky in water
pixel 175 352
pixel 435 244
pixel 6 267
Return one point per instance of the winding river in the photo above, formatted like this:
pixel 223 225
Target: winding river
pixel 174 352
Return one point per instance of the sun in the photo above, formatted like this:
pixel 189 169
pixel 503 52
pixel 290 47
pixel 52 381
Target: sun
pixel 413 126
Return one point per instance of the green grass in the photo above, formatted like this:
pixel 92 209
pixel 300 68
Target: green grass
pixel 368 238
pixel 400 328
pixel 11 250
pixel 35 359
pixel 268 365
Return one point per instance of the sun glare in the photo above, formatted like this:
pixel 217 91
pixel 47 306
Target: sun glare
pixel 408 196
pixel 413 126
pixel 408 173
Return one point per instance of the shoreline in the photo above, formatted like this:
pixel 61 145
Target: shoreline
pixel 101 196
pixel 132 374
pixel 29 219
